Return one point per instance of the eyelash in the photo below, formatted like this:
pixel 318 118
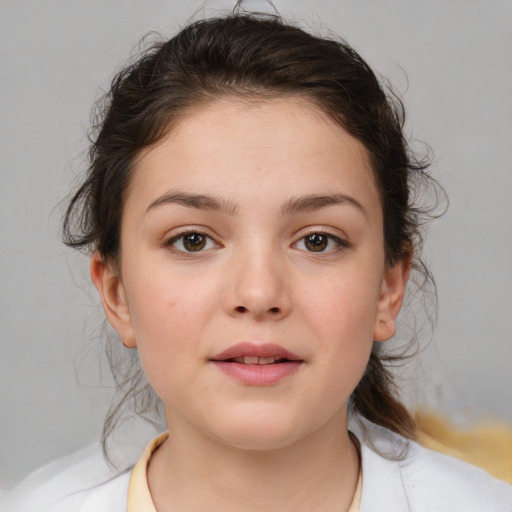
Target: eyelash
pixel 341 244
pixel 170 243
pixel 209 243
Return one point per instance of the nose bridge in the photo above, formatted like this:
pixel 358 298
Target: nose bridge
pixel 258 281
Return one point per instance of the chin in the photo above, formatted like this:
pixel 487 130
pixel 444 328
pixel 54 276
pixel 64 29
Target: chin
pixel 260 440
pixel 258 432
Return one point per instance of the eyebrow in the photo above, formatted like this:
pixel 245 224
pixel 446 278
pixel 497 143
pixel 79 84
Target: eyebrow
pixel 199 201
pixel 314 202
pixel 299 204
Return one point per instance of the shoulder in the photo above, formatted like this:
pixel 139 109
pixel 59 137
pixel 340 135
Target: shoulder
pixel 456 483
pixel 110 496
pixel 81 482
pixel 398 471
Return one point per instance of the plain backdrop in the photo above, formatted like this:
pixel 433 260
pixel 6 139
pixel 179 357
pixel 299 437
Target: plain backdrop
pixel 451 62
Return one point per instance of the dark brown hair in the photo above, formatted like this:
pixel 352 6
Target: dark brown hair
pixel 250 57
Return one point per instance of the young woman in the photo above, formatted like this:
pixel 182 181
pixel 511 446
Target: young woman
pixel 252 231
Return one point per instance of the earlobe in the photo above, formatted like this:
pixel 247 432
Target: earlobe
pixel 109 285
pixel 391 297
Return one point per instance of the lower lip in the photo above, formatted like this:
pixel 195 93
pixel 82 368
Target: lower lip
pixel 258 374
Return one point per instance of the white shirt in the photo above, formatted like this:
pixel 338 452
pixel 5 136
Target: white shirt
pixel 397 476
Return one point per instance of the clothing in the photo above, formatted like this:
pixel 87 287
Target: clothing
pixel 397 476
pixel 139 496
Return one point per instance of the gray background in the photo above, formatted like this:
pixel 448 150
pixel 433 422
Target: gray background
pixel 54 58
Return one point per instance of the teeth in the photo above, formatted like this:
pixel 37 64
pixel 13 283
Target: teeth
pixel 255 360
pixel 266 360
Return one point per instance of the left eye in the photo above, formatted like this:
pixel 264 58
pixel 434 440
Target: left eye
pixel 191 242
pixel 319 242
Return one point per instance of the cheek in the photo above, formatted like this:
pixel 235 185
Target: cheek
pixel 342 311
pixel 168 316
pixel 165 304
pixel 341 315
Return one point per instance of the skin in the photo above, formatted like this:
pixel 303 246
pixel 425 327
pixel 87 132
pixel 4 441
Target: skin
pixel 233 446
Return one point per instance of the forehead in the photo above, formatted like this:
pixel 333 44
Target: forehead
pixel 255 151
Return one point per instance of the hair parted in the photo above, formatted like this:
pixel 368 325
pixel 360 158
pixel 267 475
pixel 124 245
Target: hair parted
pixel 250 57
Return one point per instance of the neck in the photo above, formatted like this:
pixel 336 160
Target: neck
pixel 195 473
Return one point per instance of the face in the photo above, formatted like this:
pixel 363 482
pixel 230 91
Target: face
pixel 252 276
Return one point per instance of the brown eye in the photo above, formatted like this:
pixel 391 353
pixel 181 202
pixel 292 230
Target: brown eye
pixel 316 242
pixel 190 242
pixel 193 242
pixel 321 242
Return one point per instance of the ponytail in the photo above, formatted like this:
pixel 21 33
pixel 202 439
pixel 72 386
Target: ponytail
pixel 376 398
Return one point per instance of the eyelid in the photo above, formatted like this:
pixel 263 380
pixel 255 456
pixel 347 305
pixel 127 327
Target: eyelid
pixel 170 240
pixel 339 238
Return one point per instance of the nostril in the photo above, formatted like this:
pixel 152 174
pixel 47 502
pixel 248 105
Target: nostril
pixel 273 310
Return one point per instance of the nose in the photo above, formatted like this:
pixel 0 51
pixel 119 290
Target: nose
pixel 258 287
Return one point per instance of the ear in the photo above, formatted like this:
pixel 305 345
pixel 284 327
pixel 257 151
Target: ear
pixel 391 297
pixel 110 287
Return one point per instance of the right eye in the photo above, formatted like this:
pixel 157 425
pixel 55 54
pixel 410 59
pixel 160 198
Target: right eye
pixel 191 241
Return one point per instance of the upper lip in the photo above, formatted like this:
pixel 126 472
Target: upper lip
pixel 247 349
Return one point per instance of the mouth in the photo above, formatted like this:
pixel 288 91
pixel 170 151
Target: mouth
pixel 257 364
pixel 257 360
pixel 254 353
